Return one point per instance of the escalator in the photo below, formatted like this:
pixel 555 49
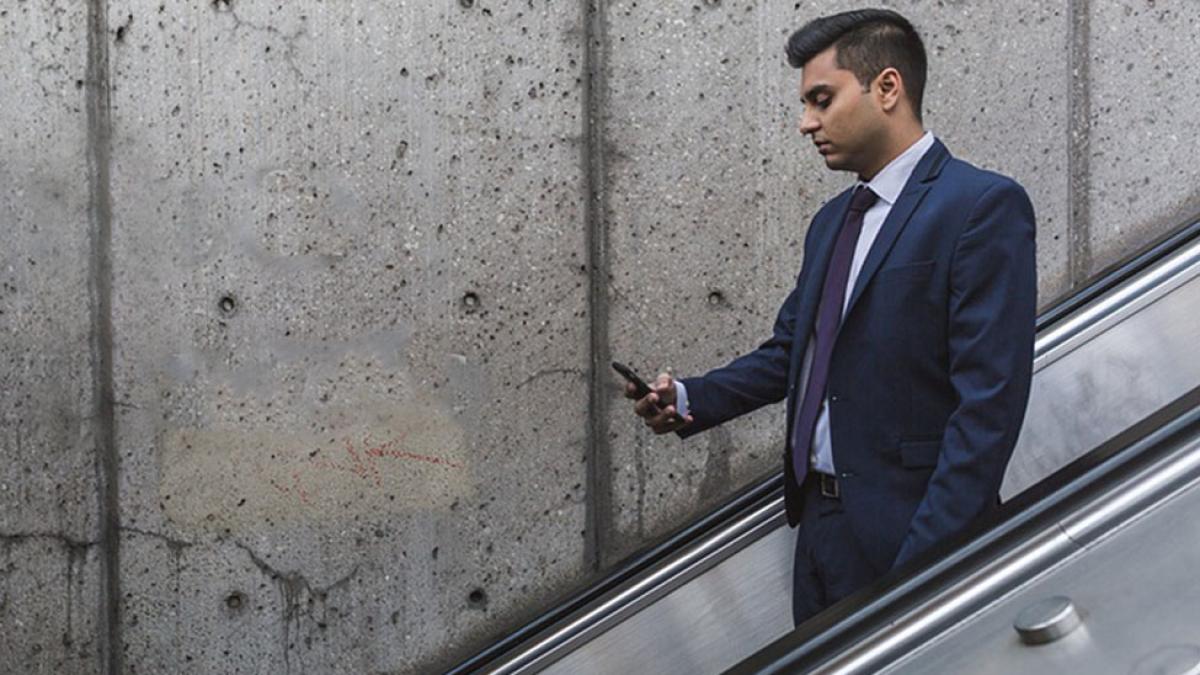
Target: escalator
pixel 1091 571
pixel 1115 368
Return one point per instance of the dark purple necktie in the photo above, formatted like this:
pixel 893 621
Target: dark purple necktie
pixel 829 319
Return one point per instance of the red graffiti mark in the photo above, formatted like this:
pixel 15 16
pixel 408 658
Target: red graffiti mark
pixel 401 454
pixel 367 469
pixel 364 463
pixel 299 488
pixel 386 450
pixel 296 488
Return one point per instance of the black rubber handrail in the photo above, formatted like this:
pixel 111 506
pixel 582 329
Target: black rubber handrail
pixel 770 487
pixel 1117 274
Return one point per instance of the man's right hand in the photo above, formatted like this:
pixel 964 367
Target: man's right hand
pixel 657 409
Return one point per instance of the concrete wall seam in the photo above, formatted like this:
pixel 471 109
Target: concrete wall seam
pixel 599 451
pixel 99 143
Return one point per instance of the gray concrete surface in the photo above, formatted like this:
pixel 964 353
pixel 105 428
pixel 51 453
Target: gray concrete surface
pixel 49 529
pixel 1143 129
pixel 706 186
pixel 369 262
pixel 349 284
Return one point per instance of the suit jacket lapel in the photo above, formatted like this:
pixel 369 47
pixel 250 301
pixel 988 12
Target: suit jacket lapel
pixel 910 197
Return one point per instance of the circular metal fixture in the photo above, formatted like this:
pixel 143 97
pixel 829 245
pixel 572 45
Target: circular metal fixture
pixel 1047 620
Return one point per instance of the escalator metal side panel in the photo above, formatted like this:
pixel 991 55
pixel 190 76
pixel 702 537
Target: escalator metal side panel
pixel 1136 356
pixel 686 634
pixel 1137 595
pixel 1131 577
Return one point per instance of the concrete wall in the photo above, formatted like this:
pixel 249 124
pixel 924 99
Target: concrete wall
pixel 306 307
pixel 50 523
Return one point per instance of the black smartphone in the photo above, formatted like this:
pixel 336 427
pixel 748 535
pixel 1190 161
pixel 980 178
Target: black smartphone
pixel 643 389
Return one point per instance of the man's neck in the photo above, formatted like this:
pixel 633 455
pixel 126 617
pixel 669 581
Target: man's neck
pixel 896 145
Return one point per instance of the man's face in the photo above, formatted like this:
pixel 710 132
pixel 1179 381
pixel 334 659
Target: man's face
pixel 845 122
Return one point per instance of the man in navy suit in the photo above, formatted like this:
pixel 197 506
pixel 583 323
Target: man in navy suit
pixel 905 350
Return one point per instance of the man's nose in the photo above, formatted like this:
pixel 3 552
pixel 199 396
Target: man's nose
pixel 808 123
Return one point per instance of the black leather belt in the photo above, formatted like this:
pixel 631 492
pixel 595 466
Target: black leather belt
pixel 828 485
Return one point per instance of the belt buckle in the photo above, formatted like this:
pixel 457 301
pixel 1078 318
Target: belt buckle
pixel 829 486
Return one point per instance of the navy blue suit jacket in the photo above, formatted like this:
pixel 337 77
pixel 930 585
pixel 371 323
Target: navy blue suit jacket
pixel 930 372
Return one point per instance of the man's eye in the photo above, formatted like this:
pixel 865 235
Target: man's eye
pixel 822 102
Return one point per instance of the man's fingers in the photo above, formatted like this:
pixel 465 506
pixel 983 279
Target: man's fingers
pixel 666 420
pixel 664 385
pixel 647 406
pixel 660 424
pixel 664 415
pixel 660 419
pixel 655 416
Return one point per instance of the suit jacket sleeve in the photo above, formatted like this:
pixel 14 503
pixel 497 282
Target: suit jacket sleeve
pixel 991 318
pixel 748 382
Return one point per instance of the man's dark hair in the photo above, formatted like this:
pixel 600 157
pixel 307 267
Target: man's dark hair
pixel 867 42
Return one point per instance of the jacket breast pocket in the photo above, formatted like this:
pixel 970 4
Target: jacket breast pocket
pixel 908 273
pixel 907 294
pixel 919 454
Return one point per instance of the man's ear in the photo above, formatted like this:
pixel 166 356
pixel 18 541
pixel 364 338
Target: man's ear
pixel 890 88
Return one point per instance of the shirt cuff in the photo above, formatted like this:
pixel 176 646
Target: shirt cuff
pixel 681 399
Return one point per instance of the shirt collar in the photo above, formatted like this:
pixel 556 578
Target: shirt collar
pixel 892 178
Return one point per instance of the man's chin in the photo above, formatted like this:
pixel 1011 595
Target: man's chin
pixel 835 163
pixel 838 163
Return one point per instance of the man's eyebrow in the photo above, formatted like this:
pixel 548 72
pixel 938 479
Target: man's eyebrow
pixel 818 89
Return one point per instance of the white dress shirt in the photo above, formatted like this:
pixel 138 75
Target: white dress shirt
pixel 887 184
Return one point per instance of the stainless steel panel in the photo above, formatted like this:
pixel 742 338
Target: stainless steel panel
pixel 662 589
pixel 1116 363
pixel 993 594
pixel 992 579
pixel 706 626
pixel 1136 589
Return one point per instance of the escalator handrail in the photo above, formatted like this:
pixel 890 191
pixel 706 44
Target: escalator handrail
pixel 1117 274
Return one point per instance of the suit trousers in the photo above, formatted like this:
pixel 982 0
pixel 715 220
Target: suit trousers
pixel 829 564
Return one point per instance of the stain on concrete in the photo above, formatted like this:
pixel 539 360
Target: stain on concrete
pixel 50 635
pixel 304 605
pixel 371 460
